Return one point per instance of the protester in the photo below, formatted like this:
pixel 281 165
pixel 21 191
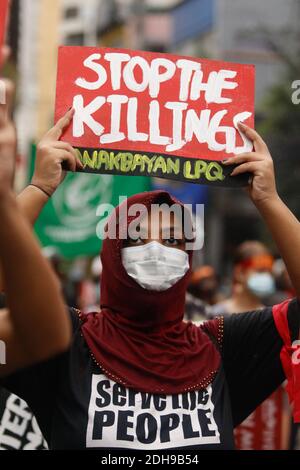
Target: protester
pixel 136 375
pixel 27 336
pixel 89 292
pixel 195 309
pixel 204 284
pixel 202 292
pixel 253 285
pixel 57 264
pixel 253 282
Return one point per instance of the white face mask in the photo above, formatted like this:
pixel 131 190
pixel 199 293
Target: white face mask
pixel 155 266
pixel 261 284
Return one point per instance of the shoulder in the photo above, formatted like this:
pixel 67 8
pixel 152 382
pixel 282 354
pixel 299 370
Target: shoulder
pixel 219 309
pixel 215 330
pixel 77 318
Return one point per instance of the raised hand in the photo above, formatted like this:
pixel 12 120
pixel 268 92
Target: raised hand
pixel 51 154
pixel 262 185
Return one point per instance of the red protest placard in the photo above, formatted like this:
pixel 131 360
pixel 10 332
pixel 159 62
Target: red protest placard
pixel 4 9
pixel 263 429
pixel 143 113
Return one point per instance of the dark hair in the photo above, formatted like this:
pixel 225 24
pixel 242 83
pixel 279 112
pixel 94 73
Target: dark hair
pixel 248 249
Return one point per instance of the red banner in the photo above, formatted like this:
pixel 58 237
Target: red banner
pixel 155 114
pixel 263 429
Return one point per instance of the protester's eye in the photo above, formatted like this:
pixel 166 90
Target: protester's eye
pixel 134 241
pixel 172 242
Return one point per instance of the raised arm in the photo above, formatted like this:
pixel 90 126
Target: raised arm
pixel 283 225
pixel 36 324
pixel 48 172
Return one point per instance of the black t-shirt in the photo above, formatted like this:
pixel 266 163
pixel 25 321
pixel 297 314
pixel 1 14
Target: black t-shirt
pixel 18 427
pixel 77 406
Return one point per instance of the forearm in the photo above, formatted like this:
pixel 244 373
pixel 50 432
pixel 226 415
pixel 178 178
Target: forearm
pixel 37 309
pixel 31 202
pixel 285 230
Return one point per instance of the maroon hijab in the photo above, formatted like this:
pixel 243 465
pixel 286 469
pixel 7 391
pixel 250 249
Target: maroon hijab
pixel 139 338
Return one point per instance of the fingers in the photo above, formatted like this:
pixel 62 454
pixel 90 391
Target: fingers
pixel 56 132
pixel 259 144
pixel 68 158
pixel 243 158
pixel 246 168
pixel 66 152
pixel 68 148
pixel 59 145
pixel 7 90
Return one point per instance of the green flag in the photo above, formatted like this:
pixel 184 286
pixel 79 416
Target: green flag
pixel 69 220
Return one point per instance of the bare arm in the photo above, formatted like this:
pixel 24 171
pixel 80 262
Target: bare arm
pixel 31 202
pixel 283 225
pixel 285 229
pixel 36 324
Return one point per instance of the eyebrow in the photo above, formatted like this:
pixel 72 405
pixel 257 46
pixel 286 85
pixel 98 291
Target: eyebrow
pixel 172 228
pixel 144 232
pixel 172 231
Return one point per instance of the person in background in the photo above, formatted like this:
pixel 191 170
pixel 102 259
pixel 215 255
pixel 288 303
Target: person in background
pixel 253 288
pixel 253 281
pixel 52 254
pixel 202 292
pixel 89 295
pixel 204 284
